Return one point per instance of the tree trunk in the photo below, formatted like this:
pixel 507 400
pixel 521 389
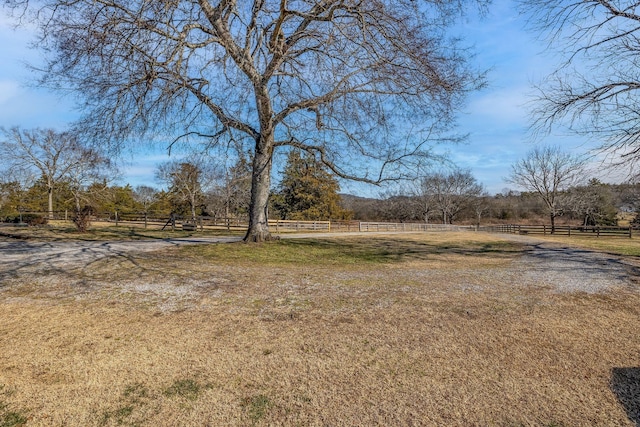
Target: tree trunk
pixel 260 188
pixel 553 223
pixel 50 195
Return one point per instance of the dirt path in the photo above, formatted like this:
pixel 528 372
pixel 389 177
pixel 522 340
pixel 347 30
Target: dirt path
pixel 17 256
pixel 571 269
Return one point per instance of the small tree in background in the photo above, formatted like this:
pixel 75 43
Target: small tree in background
pixel 52 156
pixel 593 203
pixel 308 191
pixel 548 171
pixel 82 218
pixel 450 192
pixel 146 196
pixel 183 180
pixel 231 195
pixel 187 181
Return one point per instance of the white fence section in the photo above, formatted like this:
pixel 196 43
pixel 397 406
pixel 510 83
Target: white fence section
pixel 410 226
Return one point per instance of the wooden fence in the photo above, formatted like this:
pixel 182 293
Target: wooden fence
pixel 158 221
pixel 563 230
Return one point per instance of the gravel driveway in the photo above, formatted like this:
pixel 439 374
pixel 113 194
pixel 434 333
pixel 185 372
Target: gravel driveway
pixel 17 256
pixel 561 268
pixel 570 269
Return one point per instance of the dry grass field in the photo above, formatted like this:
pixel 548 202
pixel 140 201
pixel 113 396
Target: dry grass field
pixel 408 330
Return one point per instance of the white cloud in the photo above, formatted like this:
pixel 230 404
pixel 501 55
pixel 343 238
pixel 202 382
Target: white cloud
pixel 8 90
pixel 502 106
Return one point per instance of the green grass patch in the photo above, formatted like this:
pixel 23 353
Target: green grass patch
pixel 186 388
pixel 257 407
pixel 135 396
pixel 9 417
pixel 12 419
pixel 344 251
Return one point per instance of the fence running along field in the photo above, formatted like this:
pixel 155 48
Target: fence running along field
pixel 563 230
pixel 160 221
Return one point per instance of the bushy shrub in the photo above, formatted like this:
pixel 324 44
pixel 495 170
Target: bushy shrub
pixel 29 219
pixel 82 219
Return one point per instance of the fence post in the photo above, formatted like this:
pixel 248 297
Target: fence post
pixel 544 229
pixel 630 231
pixel 569 228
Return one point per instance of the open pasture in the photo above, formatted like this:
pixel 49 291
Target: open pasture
pixel 461 329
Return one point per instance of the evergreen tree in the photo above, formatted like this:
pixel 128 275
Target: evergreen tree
pixel 184 181
pixel 308 191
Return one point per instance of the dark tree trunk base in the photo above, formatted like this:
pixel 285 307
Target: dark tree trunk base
pixel 260 237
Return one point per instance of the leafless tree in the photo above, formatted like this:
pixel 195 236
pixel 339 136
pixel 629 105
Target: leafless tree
pixel 548 171
pixel 592 203
pixel 397 204
pixel 424 201
pixel 231 196
pixel 188 179
pixel 92 168
pixel 364 86
pixel 146 196
pixel 480 206
pixel 451 191
pixel 52 155
pixel 596 90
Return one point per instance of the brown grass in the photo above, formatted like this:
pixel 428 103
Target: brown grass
pixel 404 330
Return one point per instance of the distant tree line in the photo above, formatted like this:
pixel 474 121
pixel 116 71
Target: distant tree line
pixel 46 171
pixel 594 203
pixel 50 172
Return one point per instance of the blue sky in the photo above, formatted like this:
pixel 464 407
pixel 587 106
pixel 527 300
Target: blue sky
pixel 496 118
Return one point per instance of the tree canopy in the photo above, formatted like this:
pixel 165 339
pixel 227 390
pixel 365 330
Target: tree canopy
pixel 595 89
pixel 364 86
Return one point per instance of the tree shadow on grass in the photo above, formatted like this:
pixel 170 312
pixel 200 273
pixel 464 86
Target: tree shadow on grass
pixel 625 383
pixel 386 250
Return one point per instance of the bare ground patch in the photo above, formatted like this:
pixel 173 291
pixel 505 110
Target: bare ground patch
pixel 427 330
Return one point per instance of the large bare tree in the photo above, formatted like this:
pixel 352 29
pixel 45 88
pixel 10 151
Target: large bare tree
pixel 595 90
pixel 547 172
pixel 363 85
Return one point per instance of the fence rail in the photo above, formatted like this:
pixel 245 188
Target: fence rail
pixel 159 221
pixel 563 230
